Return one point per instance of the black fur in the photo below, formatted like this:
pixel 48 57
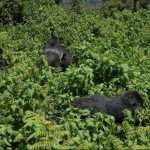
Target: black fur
pixel 57 55
pixel 112 105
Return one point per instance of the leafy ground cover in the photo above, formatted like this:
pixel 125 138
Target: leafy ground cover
pixel 110 55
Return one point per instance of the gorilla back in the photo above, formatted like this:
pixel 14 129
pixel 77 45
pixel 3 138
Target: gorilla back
pixel 112 105
pixel 57 55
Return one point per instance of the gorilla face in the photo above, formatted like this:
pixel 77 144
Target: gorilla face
pixel 132 100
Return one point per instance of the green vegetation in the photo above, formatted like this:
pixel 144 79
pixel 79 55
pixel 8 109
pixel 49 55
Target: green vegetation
pixel 11 11
pixel 110 55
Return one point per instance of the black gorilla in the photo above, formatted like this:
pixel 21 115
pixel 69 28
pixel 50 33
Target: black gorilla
pixel 112 105
pixel 57 55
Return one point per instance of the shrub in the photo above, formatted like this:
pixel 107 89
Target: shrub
pixel 11 11
pixel 110 55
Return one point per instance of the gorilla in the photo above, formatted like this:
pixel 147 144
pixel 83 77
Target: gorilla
pixel 57 55
pixel 112 105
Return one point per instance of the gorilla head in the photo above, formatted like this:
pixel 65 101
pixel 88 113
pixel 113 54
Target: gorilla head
pixel 112 105
pixel 132 100
pixel 57 55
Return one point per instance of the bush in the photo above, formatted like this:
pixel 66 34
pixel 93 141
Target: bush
pixel 110 6
pixel 11 11
pixel 110 55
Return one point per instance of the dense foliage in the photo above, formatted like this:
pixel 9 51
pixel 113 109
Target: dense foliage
pixel 11 11
pixel 110 55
